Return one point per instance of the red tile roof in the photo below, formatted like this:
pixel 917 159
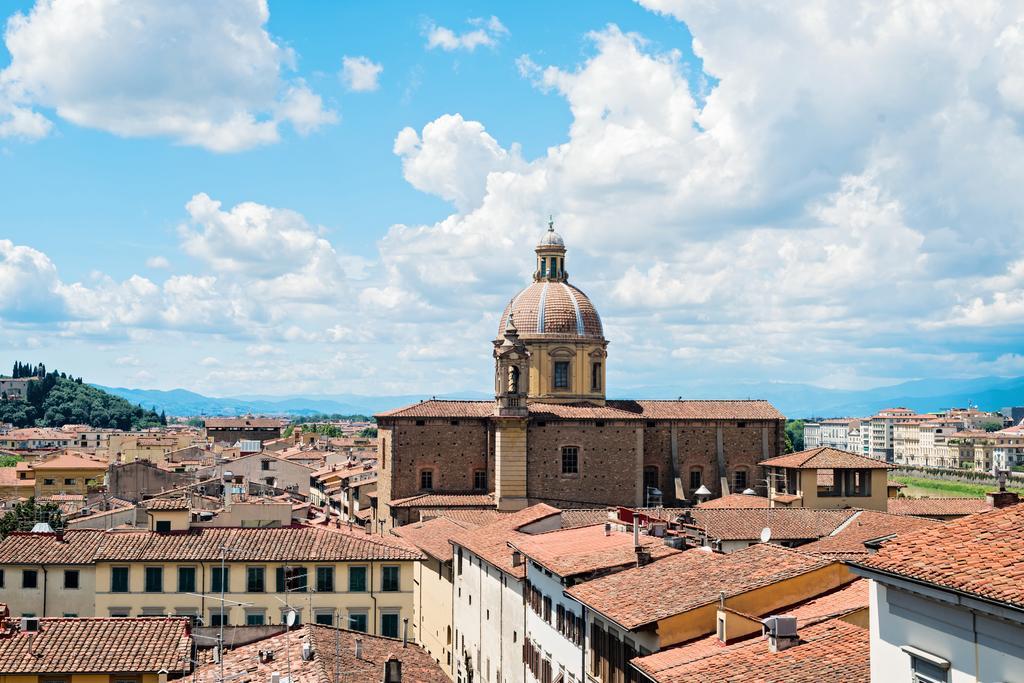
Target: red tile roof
pixel 294 543
pixel 585 517
pixel 78 547
pixel 981 554
pixel 612 410
pixel 787 524
pixel 584 550
pixel 734 501
pixel 825 457
pixel 490 542
pixel 333 659
pixel 868 525
pixel 936 507
pixel 831 651
pixel 98 646
pixel 433 500
pixel 679 583
pixel 167 504
pixel 69 461
pixel 433 536
pixel 839 602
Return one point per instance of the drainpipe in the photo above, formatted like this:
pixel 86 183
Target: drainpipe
pixel 372 628
pixel 583 650
pixel 43 567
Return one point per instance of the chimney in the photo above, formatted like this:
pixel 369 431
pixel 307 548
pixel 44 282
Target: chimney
pixel 405 632
pixel 1002 498
pixel 161 676
pixel 643 556
pixel 275 677
pixel 359 648
pixel 781 631
pixel 307 651
pixel 58 535
pixel 607 528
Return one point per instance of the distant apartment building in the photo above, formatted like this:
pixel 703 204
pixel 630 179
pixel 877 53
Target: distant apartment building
pixel 880 429
pixel 232 429
pixel 834 433
pixel 14 388
pixel 1008 448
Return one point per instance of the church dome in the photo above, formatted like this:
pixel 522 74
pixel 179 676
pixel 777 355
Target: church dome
pixel 553 308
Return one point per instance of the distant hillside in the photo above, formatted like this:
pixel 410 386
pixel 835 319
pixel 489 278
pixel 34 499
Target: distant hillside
pixel 794 400
pixel 55 399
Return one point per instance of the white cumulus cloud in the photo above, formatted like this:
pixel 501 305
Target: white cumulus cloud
pixel 360 74
pixel 486 33
pixel 200 73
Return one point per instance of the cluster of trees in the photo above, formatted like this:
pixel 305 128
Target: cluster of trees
pixel 24 515
pixel 794 440
pixel 329 417
pixel 57 399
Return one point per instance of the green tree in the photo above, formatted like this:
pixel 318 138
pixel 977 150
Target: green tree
pixel 795 435
pixel 24 515
pixel 992 425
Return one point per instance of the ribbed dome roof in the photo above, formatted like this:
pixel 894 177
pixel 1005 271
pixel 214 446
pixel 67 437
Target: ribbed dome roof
pixel 553 308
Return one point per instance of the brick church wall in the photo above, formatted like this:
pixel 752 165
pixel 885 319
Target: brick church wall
pixel 607 463
pixel 453 448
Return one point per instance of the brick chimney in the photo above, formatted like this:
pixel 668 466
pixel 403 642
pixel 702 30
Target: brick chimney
pixel 781 631
pixel 1002 498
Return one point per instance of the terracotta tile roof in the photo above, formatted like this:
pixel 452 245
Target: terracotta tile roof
pixel 584 517
pixel 93 646
pixel 736 501
pixel 9 477
pixel 635 410
pixel 490 541
pixel 69 461
pixel 440 408
pixel 432 536
pixel 824 458
pixel 787 524
pixel 242 422
pixel 78 547
pixel 979 554
pixel 583 550
pixel 938 507
pixel 868 525
pixel 283 544
pixel 839 602
pixel 679 583
pixel 466 516
pixel 831 651
pixel 167 504
pixel 333 659
pixel 433 500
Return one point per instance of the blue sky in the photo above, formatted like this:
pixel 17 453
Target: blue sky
pixel 193 195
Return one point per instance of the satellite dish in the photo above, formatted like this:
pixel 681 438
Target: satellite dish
pixel 289 618
pixel 766 535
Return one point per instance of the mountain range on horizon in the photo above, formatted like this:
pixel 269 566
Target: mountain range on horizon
pixel 794 400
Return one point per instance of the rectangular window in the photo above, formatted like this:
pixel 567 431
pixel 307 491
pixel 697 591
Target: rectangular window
pixel 570 460
pixel 695 479
pixel 828 484
pixel 163 526
pixel 154 579
pixel 29 578
pixel 325 579
pixel 49 482
pixel 69 482
pixel 547 609
pixel 292 579
pixel 217 618
pixel 480 480
pixel 71 579
pixel 220 579
pixel 927 672
pixel 389 624
pixel 427 480
pixel 119 579
pixel 2 578
pixel 357 621
pixel 265 465
pixel 324 618
pixel 186 579
pixel 255 580
pixel 561 374
pixel 595 379
pixel 357 579
pixel 739 481
pixel 858 483
pixel 255 618
pixel 389 579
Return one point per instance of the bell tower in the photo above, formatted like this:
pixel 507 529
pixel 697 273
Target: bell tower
pixel 550 257
pixel 511 385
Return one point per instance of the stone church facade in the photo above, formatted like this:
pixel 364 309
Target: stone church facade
pixel 550 435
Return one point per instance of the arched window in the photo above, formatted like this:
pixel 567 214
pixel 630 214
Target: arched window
pixel 739 480
pixel 513 379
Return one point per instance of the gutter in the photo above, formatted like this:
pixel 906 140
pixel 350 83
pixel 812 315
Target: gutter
pixel 938 587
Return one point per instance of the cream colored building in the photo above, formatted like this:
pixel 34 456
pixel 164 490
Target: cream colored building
pixel 827 478
pixel 328 576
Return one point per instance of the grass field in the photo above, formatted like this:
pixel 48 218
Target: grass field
pixel 945 487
